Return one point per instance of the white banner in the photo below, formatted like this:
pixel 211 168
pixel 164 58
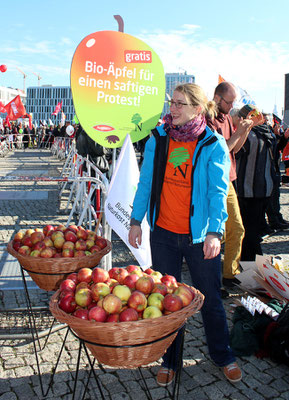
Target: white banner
pixel 118 205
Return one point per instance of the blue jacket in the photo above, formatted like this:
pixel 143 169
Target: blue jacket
pixel 210 183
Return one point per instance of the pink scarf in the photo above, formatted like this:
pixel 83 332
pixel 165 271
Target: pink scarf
pixel 185 133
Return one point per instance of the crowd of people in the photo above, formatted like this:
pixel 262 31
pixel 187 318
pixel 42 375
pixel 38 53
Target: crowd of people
pixel 210 175
pixel 19 136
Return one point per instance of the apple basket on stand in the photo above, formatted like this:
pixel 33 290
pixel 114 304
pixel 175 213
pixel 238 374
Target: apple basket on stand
pixel 128 344
pixel 48 273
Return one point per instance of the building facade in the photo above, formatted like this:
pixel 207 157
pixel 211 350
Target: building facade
pixel 42 100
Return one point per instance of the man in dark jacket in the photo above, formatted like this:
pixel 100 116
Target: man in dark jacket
pixel 255 180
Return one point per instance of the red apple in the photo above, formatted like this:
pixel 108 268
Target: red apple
pixel 82 285
pixel 113 318
pixel 145 284
pixel 48 229
pixel 156 300
pixel 152 312
pixel 60 228
pixel 35 253
pixel 47 253
pixel 160 288
pixel 37 237
pixel 39 246
pixel 79 253
pixel 83 297
pixel 129 314
pixel 67 284
pixel 157 276
pixel 56 234
pixel 112 304
pixel 97 314
pixel 67 303
pixel 70 236
pixel 47 241
pixel 120 275
pixel 72 228
pixel 81 234
pixel 29 232
pixel 101 242
pixel 89 243
pixel 112 272
pixel 185 294
pixel 73 277
pixel 18 236
pixel 81 313
pixel 94 249
pixel 16 245
pixel 84 275
pixel 24 250
pixel 99 275
pixel 100 290
pixel 26 241
pixel 68 245
pixel 149 271
pixel 172 302
pixel 57 255
pixel 58 242
pixel 80 244
pixel 67 253
pixel 170 281
pixel 123 292
pixel 137 301
pixel 131 268
pixel 130 280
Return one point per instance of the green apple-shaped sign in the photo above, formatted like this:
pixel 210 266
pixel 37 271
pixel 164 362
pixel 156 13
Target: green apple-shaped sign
pixel 118 87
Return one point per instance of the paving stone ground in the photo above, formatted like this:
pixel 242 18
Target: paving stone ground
pixel 19 379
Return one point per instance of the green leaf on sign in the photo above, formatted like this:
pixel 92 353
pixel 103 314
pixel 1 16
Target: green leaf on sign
pixel 179 156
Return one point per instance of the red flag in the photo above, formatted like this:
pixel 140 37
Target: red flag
pixel 57 108
pixel 15 109
pixel 7 122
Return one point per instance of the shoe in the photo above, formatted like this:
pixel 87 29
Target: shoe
pixel 232 372
pixel 267 230
pixel 283 221
pixel 279 226
pixel 165 376
pixel 230 283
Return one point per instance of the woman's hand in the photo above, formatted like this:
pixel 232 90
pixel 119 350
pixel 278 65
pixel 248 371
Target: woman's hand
pixel 134 236
pixel 212 247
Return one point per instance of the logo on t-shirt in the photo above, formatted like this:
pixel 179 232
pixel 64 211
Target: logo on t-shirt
pixel 179 156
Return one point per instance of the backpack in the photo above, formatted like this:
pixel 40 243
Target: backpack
pixel 276 338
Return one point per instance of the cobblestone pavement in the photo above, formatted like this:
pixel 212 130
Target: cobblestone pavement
pixel 200 379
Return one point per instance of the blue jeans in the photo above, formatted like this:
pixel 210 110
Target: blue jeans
pixel 168 250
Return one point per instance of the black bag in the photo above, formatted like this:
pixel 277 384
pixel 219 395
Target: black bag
pixel 277 338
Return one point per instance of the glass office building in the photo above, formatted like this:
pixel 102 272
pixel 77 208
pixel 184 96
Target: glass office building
pixel 42 100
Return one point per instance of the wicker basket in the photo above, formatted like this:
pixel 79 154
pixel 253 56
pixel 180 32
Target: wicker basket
pixel 48 273
pixel 128 344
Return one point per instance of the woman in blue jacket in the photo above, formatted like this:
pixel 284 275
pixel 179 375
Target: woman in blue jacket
pixel 183 188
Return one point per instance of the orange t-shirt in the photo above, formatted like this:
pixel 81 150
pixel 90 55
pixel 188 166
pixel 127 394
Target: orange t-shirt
pixel 176 192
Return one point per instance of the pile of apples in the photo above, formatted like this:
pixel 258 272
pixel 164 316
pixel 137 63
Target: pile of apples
pixel 58 241
pixel 122 294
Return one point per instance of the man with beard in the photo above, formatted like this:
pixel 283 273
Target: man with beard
pixel 224 96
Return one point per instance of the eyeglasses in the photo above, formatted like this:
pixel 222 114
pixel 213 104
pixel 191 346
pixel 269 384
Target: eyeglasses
pixel 229 103
pixel 177 104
